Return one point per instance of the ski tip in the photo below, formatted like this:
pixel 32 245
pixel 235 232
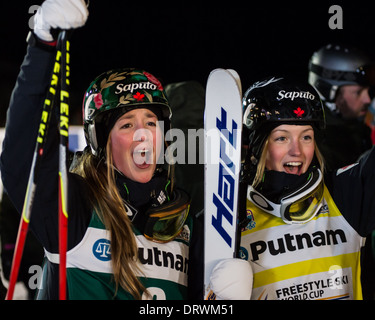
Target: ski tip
pixel 236 76
pixel 233 73
pixel 216 70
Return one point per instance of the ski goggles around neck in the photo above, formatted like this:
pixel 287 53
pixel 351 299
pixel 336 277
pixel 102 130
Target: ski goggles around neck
pixel 297 207
pixel 165 222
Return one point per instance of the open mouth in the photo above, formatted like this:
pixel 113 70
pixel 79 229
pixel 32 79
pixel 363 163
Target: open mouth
pixel 293 167
pixel 142 152
pixel 142 157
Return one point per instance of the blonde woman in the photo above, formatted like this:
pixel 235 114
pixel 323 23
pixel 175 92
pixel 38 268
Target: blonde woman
pixel 303 234
pixel 130 234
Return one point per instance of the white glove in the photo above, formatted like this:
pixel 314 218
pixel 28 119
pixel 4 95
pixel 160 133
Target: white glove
pixel 232 279
pixel 63 14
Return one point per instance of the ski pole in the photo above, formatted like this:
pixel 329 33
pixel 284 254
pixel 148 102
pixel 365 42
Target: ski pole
pixel 33 176
pixel 63 149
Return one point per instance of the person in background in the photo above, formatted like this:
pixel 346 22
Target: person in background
pixel 344 76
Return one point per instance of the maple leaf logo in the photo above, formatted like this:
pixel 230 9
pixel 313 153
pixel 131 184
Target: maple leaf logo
pixel 138 96
pixel 299 112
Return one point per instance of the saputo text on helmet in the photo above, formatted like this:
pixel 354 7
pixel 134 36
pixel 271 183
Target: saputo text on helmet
pixel 294 94
pixel 135 86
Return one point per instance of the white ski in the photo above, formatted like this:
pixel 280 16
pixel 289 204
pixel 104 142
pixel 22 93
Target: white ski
pixel 222 141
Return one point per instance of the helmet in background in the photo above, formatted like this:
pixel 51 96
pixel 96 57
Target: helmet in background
pixel 333 66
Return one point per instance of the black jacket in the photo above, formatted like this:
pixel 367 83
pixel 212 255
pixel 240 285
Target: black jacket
pixel 23 118
pixel 344 140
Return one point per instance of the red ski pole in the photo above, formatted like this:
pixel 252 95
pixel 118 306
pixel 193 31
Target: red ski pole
pixel 33 176
pixel 63 149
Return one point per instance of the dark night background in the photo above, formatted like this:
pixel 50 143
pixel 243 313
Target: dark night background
pixel 185 40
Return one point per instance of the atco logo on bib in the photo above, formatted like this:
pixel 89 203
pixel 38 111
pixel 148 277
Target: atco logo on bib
pixel 102 249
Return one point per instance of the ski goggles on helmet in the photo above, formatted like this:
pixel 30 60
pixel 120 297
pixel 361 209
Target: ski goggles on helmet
pixel 297 207
pixel 165 222
pixel 363 75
